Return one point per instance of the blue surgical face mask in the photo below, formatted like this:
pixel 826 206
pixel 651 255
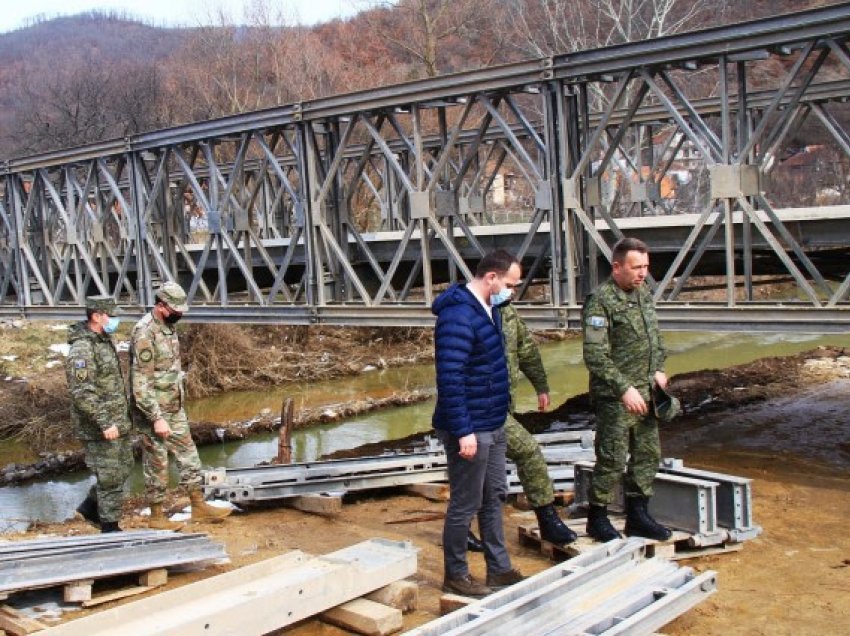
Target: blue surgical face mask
pixel 502 297
pixel 111 324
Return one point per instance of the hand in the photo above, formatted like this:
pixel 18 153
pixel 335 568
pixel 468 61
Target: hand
pixel 542 402
pixel 111 433
pixel 661 379
pixel 468 446
pixel 161 428
pixel 634 402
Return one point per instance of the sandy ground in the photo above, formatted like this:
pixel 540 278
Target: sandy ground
pixel 794 579
pixel 791 437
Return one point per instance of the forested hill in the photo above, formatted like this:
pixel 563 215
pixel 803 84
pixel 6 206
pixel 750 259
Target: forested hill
pixel 75 80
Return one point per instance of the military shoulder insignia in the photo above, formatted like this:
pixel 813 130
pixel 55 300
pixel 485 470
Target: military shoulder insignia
pixel 81 374
pixel 79 364
pixel 145 355
pixel 597 322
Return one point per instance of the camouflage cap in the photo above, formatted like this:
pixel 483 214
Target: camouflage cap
pixel 666 406
pixel 174 296
pixel 106 304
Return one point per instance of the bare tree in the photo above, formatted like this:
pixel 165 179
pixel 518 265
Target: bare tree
pixel 548 27
pixel 423 29
pixel 83 100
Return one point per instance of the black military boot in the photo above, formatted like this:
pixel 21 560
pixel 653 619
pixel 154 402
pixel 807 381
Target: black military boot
pixel 473 543
pixel 551 527
pixel 88 510
pixel 640 524
pixel 598 525
pixel 109 526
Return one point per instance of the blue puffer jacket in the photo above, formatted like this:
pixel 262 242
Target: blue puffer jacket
pixel 473 392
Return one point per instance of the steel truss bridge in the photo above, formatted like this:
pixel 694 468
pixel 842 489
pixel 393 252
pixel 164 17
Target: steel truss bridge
pixel 358 208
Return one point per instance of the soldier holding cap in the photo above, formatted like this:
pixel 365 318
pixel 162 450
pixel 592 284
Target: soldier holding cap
pixel 158 398
pixel 99 411
pixel 624 353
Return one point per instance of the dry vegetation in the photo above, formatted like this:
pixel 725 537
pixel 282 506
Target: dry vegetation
pixel 227 358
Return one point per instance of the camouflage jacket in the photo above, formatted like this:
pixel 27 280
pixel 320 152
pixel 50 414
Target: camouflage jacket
pixel 522 353
pixel 155 374
pixel 96 384
pixel 622 341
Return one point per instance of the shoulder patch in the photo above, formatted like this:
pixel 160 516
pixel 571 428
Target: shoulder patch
pixel 81 374
pixel 145 355
pixel 79 363
pixel 597 322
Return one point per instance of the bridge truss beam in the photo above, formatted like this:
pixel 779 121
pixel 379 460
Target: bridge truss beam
pixel 356 208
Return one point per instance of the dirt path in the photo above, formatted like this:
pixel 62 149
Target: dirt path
pixel 795 578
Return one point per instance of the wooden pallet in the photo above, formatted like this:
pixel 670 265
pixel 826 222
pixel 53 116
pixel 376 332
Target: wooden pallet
pixel 676 548
pixel 81 591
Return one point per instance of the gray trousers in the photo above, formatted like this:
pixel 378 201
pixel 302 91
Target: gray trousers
pixel 477 486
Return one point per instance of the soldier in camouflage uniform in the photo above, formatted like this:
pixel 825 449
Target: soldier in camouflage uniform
pixel 624 353
pixel 99 411
pixel 522 449
pixel 158 398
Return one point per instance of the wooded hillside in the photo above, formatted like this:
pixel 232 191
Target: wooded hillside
pixel 76 80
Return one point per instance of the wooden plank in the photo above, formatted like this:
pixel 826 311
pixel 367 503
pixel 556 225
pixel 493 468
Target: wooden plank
pixel 402 595
pixel 701 552
pixel 564 498
pixel 258 598
pixel 100 599
pixel 451 602
pixel 431 516
pixel 77 591
pixel 529 536
pixel 520 502
pixel 316 504
pixel 432 492
pixel 153 578
pixel 17 623
pixel 364 616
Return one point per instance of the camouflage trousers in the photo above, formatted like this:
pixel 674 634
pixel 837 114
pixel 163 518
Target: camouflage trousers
pixel 155 457
pixel 624 441
pixel 110 462
pixel 533 473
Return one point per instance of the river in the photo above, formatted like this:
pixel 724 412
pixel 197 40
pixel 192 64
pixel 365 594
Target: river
pixel 56 499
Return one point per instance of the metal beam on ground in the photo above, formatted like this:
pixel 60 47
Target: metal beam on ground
pixel 262 483
pixel 589 594
pixel 41 563
pixel 681 502
pixel 734 499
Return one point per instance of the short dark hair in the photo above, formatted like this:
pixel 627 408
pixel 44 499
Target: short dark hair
pixel 498 261
pixel 92 312
pixel 626 245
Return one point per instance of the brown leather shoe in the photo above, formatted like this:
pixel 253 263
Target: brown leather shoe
pixel 504 579
pixel 466 586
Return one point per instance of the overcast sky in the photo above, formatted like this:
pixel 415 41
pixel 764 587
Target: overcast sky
pixel 14 14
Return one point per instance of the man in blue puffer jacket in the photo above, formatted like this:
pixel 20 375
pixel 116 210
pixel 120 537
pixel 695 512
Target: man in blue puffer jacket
pixel 473 397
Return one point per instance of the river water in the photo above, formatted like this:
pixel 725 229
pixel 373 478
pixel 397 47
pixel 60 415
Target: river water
pixel 56 499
